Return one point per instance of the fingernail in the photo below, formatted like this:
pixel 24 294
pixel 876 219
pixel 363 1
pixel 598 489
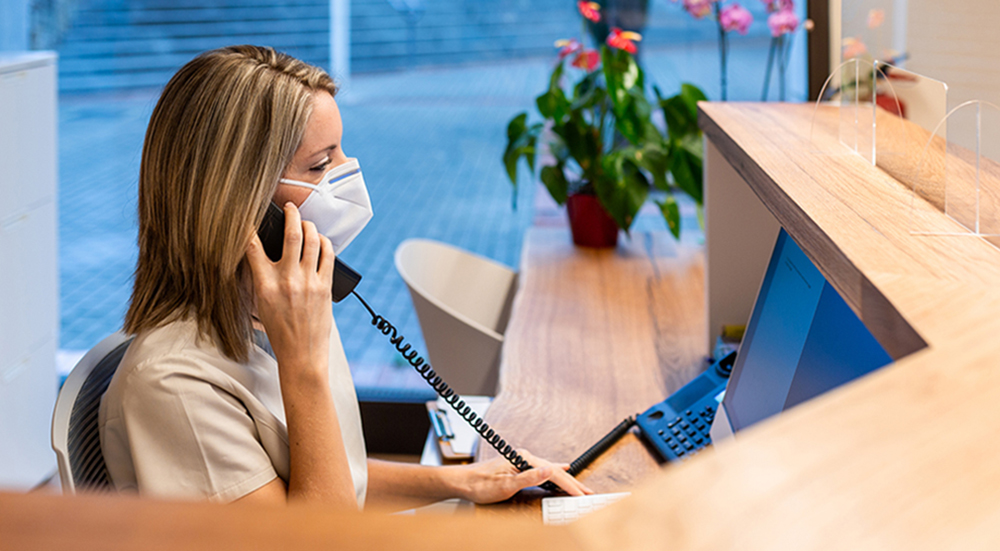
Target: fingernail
pixel 289 204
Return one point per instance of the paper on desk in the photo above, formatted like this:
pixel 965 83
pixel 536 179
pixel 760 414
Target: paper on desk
pixel 465 436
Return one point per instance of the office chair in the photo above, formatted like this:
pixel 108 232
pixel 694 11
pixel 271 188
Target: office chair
pixel 75 436
pixel 463 304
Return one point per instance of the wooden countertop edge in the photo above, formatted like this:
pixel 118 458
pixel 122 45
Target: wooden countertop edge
pixel 109 523
pixel 888 325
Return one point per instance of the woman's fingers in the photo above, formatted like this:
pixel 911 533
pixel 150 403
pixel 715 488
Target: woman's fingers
pixel 569 484
pixel 257 258
pixel 558 475
pixel 326 259
pixel 532 477
pixel 293 235
pixel 310 246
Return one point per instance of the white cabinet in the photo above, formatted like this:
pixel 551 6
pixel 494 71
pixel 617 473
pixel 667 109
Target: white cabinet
pixel 29 282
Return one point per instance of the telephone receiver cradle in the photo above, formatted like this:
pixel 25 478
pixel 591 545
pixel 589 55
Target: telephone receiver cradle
pixel 272 236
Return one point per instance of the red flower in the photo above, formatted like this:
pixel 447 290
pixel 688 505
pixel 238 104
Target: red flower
pixel 587 60
pixel 568 47
pixel 623 40
pixel 589 10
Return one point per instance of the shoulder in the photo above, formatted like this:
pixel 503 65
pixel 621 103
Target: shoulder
pixel 169 360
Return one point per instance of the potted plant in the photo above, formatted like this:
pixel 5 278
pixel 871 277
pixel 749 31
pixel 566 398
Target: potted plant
pixel 599 149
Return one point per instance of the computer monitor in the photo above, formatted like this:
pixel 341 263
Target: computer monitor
pixel 801 341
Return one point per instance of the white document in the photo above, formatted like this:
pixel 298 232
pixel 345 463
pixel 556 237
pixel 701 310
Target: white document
pixel 465 437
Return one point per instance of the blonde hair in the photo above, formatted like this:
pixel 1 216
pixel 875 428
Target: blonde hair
pixel 223 132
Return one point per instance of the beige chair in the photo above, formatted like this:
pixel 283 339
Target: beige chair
pixel 463 303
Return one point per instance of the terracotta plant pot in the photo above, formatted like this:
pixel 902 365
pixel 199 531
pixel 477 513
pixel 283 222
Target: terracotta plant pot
pixel 591 225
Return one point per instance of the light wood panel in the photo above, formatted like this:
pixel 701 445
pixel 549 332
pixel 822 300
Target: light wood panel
pixel 596 336
pixel 900 459
pixel 85 523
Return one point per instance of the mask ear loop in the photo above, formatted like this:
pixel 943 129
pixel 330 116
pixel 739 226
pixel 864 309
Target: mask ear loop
pixel 314 187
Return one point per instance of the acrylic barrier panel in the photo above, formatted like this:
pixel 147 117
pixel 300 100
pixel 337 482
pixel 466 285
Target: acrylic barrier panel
pixel 848 90
pixel 970 178
pixel 873 29
pixel 908 110
pixel 829 99
pixel 857 124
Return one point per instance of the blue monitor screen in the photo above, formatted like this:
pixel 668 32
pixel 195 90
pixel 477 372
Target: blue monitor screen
pixel 801 341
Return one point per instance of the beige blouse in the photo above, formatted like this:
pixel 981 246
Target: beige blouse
pixel 181 420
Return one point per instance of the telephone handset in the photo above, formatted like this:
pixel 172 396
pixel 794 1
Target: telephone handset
pixel 345 279
pixel 272 236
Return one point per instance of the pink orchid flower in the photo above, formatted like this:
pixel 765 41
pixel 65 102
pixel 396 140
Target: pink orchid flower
pixel 589 10
pixel 875 18
pixel 778 5
pixel 854 47
pixel 587 60
pixel 568 47
pixel 735 17
pixel 698 8
pixel 782 22
pixel 623 40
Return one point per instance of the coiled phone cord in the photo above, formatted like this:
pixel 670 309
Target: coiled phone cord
pixel 481 426
pixel 450 396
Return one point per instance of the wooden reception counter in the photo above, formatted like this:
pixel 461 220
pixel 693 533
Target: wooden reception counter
pixel 905 458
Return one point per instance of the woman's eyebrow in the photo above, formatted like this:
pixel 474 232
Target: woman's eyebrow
pixel 324 150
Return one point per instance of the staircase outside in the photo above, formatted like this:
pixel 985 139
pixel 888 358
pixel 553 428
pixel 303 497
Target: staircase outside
pixel 123 44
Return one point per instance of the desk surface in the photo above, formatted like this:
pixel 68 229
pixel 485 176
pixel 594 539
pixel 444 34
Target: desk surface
pixel 594 337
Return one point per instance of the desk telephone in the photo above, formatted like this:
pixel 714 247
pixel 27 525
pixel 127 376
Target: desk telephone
pixel 657 424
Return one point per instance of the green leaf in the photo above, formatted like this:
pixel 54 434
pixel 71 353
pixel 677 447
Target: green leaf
pixel 681 112
pixel 521 142
pixel 516 127
pixel 555 181
pixel 687 171
pixel 621 76
pixel 531 145
pixel 553 103
pixel 586 93
pixel 680 121
pixel 582 142
pixel 692 95
pixel 655 158
pixel 623 188
pixel 516 130
pixel 672 214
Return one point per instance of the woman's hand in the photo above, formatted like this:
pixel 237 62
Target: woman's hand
pixel 293 303
pixel 293 296
pixel 497 480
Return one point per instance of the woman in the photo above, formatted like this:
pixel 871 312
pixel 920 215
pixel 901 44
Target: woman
pixel 196 409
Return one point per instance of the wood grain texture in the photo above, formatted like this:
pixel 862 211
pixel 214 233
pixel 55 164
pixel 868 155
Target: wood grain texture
pixel 596 336
pixel 900 459
pixel 85 523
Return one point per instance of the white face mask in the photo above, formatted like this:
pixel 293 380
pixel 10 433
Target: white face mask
pixel 339 205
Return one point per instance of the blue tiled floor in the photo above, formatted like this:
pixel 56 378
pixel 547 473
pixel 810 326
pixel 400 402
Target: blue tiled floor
pixel 430 143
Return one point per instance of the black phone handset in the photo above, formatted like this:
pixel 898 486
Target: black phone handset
pixel 345 279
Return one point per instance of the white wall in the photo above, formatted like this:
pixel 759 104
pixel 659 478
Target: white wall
pixel 29 288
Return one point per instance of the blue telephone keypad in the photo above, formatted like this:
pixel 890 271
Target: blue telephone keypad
pixel 688 432
pixel 679 426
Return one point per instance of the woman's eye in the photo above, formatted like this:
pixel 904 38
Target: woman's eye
pixel 321 167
